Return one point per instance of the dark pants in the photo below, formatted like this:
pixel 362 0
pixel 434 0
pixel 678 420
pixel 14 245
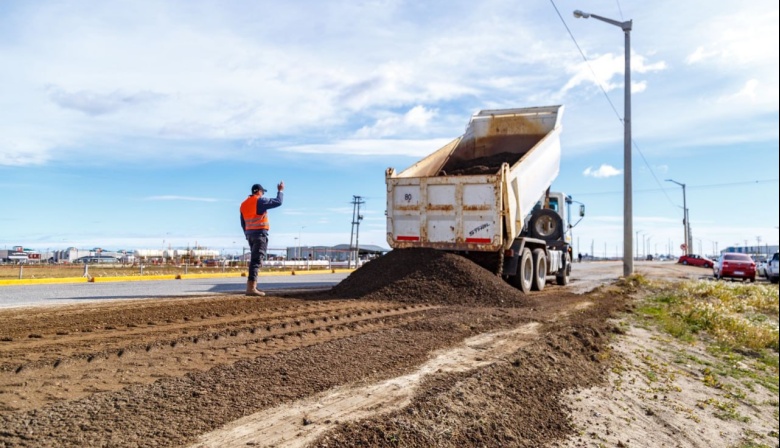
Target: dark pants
pixel 258 245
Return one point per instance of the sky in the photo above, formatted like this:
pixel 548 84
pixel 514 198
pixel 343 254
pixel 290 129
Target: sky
pixel 143 124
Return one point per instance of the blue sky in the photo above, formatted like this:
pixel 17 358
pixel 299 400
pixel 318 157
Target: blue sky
pixel 143 124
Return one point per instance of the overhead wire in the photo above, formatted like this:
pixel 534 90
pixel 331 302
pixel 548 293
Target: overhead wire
pixel 620 10
pixel 690 187
pixel 609 100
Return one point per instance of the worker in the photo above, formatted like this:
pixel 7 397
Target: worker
pixel 254 222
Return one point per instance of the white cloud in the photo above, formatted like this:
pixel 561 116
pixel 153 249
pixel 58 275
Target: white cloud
pixel 93 103
pixel 699 55
pixel 737 35
pixel 601 172
pixel 601 70
pixel 163 72
pixel 748 93
pixel 638 87
pixel 373 147
pixel 415 120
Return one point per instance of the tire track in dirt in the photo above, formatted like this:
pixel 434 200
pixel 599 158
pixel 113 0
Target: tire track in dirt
pixel 173 410
pixel 281 426
pixel 67 367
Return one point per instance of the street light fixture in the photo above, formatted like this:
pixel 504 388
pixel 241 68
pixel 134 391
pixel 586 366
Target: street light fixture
pixel 686 224
pixel 628 260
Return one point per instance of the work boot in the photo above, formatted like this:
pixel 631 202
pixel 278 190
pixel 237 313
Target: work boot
pixel 251 289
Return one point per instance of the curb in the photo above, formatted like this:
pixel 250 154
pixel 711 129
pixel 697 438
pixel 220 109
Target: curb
pixel 129 278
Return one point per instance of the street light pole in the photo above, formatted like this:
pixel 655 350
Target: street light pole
pixel 637 246
pixel 647 245
pixel 686 233
pixel 300 254
pixel 628 213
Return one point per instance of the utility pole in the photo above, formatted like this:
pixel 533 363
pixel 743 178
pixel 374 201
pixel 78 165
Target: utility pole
pixel 355 232
pixel 689 241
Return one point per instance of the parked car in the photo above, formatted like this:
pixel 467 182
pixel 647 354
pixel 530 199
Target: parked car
pixel 760 266
pixel 735 266
pixel 772 269
pixel 696 260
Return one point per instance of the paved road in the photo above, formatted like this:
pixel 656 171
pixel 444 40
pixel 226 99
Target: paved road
pixel 59 294
pixel 585 277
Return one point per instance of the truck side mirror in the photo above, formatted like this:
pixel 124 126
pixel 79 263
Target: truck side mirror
pixel 582 210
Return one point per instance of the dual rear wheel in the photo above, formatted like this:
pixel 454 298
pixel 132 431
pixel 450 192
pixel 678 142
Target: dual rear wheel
pixel 531 271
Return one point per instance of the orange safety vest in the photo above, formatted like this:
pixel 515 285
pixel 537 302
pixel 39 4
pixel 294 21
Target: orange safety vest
pixel 252 220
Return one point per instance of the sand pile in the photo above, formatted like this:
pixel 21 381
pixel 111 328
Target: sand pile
pixel 427 276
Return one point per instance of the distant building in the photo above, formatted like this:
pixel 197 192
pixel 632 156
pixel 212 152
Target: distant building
pixel 339 252
pixel 765 250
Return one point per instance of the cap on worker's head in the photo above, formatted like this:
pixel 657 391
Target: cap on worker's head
pixel 257 187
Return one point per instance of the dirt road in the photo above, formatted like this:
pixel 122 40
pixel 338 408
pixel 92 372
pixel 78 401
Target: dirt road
pixel 427 350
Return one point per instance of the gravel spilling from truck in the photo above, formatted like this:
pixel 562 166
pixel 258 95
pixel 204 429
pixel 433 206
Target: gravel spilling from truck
pixel 428 276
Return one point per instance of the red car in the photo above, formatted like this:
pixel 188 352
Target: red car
pixel 696 260
pixel 735 266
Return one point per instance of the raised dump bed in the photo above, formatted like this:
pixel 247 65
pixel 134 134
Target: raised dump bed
pixel 475 192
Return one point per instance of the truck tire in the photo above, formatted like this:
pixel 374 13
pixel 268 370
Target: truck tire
pixel 540 270
pixel 525 272
pixel 546 224
pixel 562 278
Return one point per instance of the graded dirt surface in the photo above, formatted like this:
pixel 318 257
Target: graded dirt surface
pixel 415 349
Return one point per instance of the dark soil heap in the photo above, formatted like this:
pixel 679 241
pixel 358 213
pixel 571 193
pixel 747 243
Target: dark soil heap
pixel 428 276
pixel 481 165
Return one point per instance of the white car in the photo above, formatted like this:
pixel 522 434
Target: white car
pixel 761 268
pixel 716 265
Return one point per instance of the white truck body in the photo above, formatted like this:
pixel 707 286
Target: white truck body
pixel 449 201
pixel 482 212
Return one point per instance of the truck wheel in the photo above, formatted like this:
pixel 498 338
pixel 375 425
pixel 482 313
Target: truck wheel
pixel 562 278
pixel 540 270
pixel 546 224
pixel 525 272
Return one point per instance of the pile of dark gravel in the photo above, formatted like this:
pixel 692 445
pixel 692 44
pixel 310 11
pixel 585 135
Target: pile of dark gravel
pixel 427 276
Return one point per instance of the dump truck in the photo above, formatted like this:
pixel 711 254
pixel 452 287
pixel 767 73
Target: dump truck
pixel 486 195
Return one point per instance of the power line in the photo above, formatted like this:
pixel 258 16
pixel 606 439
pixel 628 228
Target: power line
pixel 620 10
pixel 595 78
pixel 699 187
